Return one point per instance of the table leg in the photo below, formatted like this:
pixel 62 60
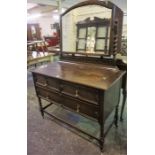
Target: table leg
pixel 123 103
pixel 102 145
pixel 101 120
pixel 116 116
pixel 41 108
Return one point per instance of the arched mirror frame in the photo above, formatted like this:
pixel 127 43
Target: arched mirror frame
pixel 115 27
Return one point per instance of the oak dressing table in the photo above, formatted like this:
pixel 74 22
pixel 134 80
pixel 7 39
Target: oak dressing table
pixel 86 80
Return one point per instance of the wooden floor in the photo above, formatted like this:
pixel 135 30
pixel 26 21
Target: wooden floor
pixel 47 137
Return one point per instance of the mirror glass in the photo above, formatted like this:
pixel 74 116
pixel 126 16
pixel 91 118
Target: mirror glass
pixel 86 29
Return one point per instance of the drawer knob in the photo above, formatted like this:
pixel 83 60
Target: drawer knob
pixel 77 108
pixel 76 93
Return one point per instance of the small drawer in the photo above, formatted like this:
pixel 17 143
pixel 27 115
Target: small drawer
pixel 69 103
pixel 43 93
pixel 55 97
pixel 68 88
pixel 40 80
pixel 48 95
pixel 81 107
pixel 89 94
pixel 90 110
pixel 53 83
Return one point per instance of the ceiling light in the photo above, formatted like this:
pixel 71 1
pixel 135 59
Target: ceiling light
pixel 31 17
pixel 56 17
pixel 62 10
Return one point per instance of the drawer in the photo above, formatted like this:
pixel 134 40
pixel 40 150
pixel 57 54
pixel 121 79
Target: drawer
pixel 48 95
pixel 90 110
pixel 40 80
pixel 41 92
pixel 69 89
pixel 69 102
pixel 83 93
pixel 81 107
pixel 53 83
pixel 89 94
pixel 47 82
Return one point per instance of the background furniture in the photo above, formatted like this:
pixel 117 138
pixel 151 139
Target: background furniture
pixel 40 60
pixel 33 32
pixel 52 41
pixel 38 46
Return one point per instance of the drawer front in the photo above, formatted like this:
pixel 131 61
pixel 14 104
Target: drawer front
pixel 81 107
pixel 89 94
pixel 53 83
pixel 41 92
pixel 68 102
pixel 69 89
pixel 48 95
pixel 92 111
pixel 81 92
pixel 47 82
pixel 40 80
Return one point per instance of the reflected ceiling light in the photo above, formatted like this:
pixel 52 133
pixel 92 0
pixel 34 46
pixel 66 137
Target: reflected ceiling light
pixel 31 17
pixel 56 17
pixel 55 11
pixel 62 10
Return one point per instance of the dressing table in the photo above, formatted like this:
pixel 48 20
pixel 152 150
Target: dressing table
pixel 86 80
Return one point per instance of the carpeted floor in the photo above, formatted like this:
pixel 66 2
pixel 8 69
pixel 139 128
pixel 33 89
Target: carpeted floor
pixel 47 137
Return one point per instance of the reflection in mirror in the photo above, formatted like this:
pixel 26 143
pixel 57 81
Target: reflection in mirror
pixel 91 39
pixel 82 33
pixel 33 31
pixel 81 44
pixel 101 32
pixel 86 29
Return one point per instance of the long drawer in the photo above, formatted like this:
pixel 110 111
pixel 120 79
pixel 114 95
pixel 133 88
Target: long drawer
pixel 81 92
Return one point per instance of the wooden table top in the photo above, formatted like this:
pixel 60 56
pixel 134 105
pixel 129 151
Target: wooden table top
pixel 92 75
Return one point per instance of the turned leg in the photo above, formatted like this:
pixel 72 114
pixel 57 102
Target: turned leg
pixel 41 108
pixel 101 120
pixel 116 117
pixel 102 136
pixel 123 103
pixel 102 144
pixel 116 111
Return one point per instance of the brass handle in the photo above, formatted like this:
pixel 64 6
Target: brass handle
pixel 77 108
pixel 76 93
pixel 43 85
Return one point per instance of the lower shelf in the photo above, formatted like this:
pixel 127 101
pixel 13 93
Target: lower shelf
pixel 78 123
